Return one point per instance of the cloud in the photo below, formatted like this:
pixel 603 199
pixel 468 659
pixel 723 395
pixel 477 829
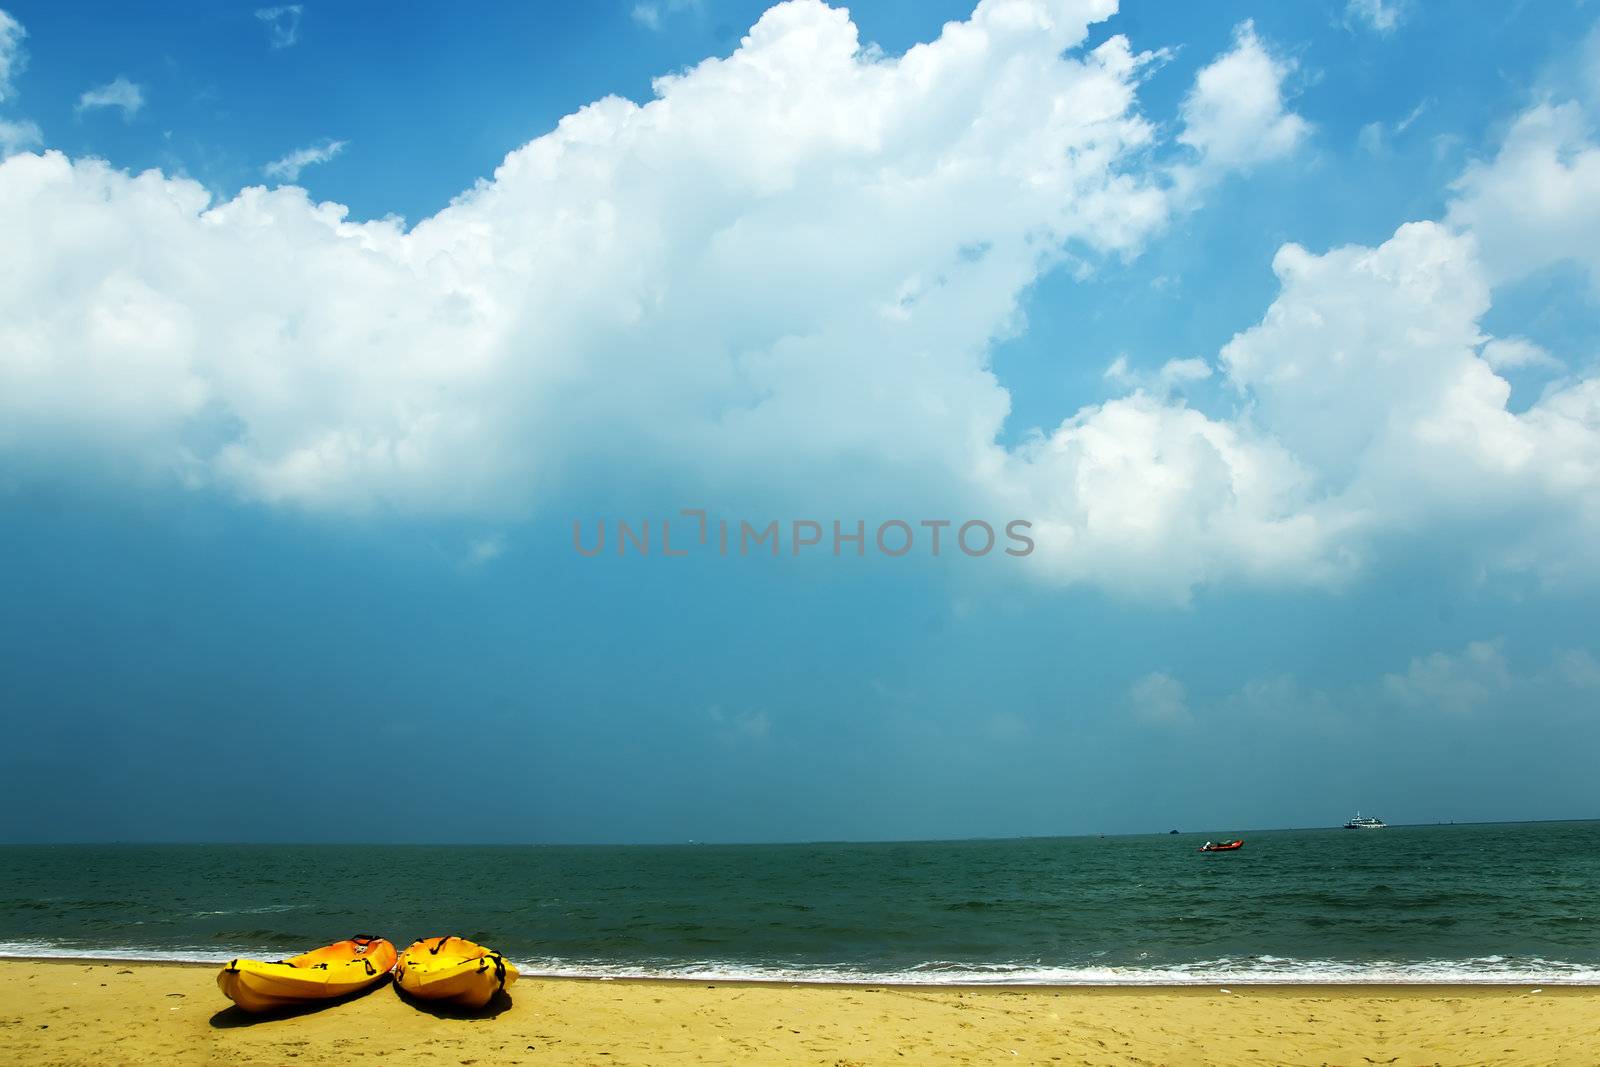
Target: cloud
pixel 1359 343
pixel 1153 499
pixel 1234 116
pixel 13 59
pixel 120 93
pixel 283 22
pixel 1373 137
pixel 1372 406
pixel 1280 697
pixel 1477 679
pixel 1537 202
pixel 782 278
pixel 651 14
pixel 1172 375
pixel 743 726
pixel 1159 698
pixel 1380 16
pixel 18 136
pixel 786 230
pixel 1510 353
pixel 1449 682
pixel 1578 669
pixel 1367 369
pixel 1370 138
pixel 289 167
pixel 483 550
pixel 1416 113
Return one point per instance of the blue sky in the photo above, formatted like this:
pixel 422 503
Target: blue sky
pixel 1276 321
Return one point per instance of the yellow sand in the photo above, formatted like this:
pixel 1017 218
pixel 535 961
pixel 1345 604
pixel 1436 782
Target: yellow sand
pixel 60 1012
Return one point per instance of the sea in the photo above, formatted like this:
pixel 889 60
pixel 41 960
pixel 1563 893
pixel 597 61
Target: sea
pixel 1409 904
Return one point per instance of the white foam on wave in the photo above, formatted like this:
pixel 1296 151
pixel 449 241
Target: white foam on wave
pixel 1255 970
pixel 133 954
pixel 1259 970
pixel 265 909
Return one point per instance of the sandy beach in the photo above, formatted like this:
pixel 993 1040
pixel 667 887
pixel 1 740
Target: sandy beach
pixel 77 1012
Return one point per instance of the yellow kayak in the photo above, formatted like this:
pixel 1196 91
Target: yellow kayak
pixel 328 973
pixel 454 970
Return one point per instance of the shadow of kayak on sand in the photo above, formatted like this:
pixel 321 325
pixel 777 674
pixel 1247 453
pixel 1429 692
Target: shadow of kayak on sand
pixel 234 1016
pixel 439 1009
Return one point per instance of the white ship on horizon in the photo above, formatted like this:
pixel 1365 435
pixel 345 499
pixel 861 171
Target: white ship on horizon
pixel 1368 822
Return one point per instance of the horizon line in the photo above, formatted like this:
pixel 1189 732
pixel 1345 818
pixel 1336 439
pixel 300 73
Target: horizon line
pixel 692 842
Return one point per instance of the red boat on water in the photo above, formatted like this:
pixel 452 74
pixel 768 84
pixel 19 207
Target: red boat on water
pixel 1226 846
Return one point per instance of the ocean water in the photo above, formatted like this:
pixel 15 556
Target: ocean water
pixel 1409 904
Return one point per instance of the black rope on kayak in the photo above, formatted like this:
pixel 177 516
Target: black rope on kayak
pixel 434 951
pixel 499 968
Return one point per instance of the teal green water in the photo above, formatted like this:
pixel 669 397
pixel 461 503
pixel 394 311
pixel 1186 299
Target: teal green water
pixel 1449 903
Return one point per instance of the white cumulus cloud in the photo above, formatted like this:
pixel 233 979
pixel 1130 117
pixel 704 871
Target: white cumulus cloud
pixel 1234 117
pixel 1367 368
pixel 799 227
pixel 1537 201
pixel 781 279
pixel 1148 496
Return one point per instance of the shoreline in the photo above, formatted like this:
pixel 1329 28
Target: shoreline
pixel 72 1011
pixel 532 973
